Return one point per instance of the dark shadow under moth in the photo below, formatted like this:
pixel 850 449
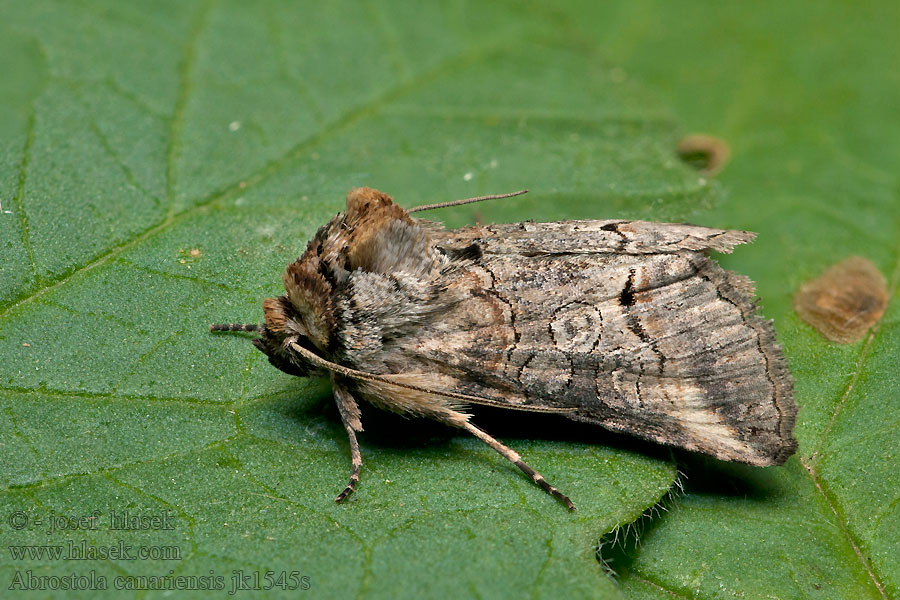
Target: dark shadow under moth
pixel 625 324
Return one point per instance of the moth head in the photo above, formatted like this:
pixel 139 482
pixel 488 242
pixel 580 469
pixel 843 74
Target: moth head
pixel 283 325
pixel 303 314
pixel 305 310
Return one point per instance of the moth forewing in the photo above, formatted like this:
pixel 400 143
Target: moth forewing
pixel 625 324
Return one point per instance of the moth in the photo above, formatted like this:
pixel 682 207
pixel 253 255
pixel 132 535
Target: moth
pixel 629 325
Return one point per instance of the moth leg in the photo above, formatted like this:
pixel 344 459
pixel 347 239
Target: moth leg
pixel 513 457
pixel 350 415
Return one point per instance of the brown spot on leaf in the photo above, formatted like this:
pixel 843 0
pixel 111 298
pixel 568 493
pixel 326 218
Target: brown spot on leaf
pixel 706 153
pixel 844 301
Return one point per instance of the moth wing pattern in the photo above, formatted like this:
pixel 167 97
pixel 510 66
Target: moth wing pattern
pixel 625 324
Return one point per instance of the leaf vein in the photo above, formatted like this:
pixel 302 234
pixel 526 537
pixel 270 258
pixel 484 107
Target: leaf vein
pixel 19 199
pixel 18 432
pixel 179 276
pixel 811 463
pixel 184 89
pixel 110 151
pixel 95 395
pixel 40 483
pixel 262 174
pixel 276 35
pixel 660 587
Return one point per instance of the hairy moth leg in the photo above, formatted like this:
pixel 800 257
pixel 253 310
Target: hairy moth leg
pixel 350 416
pixel 513 457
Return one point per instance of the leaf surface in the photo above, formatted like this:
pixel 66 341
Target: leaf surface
pixel 161 163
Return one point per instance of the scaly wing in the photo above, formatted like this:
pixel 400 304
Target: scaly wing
pixel 592 237
pixel 625 324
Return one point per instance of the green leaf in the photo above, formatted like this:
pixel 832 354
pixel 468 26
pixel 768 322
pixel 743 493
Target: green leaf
pixel 160 164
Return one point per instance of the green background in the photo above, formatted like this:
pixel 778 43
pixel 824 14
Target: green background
pixel 132 134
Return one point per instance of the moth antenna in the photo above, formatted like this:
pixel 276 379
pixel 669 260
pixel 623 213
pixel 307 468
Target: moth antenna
pixel 235 327
pixel 466 201
pixel 362 375
pixel 513 457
